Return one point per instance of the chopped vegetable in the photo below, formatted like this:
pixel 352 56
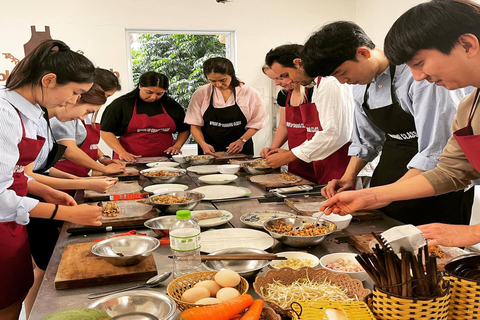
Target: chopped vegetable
pixel 295 263
pixel 344 264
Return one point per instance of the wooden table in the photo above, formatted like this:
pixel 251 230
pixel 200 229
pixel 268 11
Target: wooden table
pixel 50 300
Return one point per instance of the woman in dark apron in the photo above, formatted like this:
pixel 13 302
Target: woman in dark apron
pixel 52 75
pixel 225 114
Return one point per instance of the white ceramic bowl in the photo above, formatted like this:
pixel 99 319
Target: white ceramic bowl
pixel 340 221
pixel 275 264
pixel 179 158
pixel 166 190
pixel 229 168
pixel 332 257
pixel 162 164
pixel 151 188
pixel 218 178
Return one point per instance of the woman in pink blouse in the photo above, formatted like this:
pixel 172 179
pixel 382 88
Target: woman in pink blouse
pixel 224 114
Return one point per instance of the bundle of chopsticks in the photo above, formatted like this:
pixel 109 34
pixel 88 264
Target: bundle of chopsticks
pixel 410 275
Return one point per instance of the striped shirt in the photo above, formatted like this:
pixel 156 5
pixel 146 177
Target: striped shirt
pixel 14 208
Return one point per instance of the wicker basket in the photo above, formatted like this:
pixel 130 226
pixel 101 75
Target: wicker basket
pixel 387 306
pixel 178 286
pixel 464 298
pixel 354 288
pixel 316 310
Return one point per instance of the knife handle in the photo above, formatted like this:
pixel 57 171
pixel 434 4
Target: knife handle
pixel 130 196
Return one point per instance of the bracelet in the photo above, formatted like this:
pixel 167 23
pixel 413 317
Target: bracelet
pixel 54 212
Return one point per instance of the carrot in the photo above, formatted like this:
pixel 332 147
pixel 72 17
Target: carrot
pixel 221 311
pixel 254 311
pixel 237 317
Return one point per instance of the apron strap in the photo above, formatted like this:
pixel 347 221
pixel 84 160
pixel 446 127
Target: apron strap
pixel 21 120
pixel 472 109
pixel 392 89
pixel 234 96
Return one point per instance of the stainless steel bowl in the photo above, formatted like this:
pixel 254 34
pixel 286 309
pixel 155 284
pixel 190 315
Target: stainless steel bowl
pixel 255 170
pixel 200 160
pixel 298 222
pixel 157 179
pixel 125 251
pixel 137 304
pixel 245 268
pixel 195 198
pixel 161 225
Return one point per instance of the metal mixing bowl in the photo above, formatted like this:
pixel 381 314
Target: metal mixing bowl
pixel 255 170
pixel 200 160
pixel 137 304
pixel 158 179
pixel 125 251
pixel 245 268
pixel 298 222
pixel 161 225
pixel 195 198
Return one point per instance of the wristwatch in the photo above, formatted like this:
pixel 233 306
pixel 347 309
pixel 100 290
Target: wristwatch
pixel 103 157
pixel 243 140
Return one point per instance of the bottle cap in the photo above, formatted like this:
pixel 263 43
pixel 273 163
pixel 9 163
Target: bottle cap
pixel 184 214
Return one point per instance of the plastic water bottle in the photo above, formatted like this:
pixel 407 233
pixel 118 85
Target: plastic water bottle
pixel 185 244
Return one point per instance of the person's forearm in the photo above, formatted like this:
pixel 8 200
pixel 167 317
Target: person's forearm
pixel 413 188
pixel 37 188
pixel 57 183
pixel 197 134
pixel 249 133
pixel 55 173
pixel 280 137
pixel 112 141
pixel 410 174
pixel 355 165
pixel 181 139
pixel 78 156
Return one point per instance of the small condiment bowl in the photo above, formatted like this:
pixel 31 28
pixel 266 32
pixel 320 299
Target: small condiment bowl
pixel 179 158
pixel 252 169
pixel 298 223
pixel 340 221
pixel 332 257
pixel 137 304
pixel 245 268
pixel 228 168
pixel 276 264
pixel 126 250
pixel 194 199
pixel 161 225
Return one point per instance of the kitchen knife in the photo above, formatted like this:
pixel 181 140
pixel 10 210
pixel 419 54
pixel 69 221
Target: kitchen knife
pixel 116 197
pixel 85 230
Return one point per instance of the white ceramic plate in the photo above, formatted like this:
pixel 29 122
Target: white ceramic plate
pixel 218 178
pixel 213 222
pixel 162 164
pixel 207 169
pixel 214 240
pixel 257 218
pixel 275 264
pixel 222 192
pixel 154 187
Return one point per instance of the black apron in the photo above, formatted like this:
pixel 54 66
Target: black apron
pixel 223 126
pixel 401 145
pixel 57 151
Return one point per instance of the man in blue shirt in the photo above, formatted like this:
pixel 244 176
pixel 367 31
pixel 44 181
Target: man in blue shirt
pixel 407 120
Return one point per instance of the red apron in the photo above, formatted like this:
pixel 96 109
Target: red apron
pixel 16 270
pixel 89 146
pixel 469 142
pixel 297 134
pixel 334 166
pixel 148 136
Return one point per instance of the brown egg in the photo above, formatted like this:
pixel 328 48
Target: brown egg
pixel 210 285
pixel 227 278
pixel 209 301
pixel 192 295
pixel 226 294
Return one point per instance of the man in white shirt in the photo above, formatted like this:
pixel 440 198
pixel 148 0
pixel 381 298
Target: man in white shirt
pixel 334 105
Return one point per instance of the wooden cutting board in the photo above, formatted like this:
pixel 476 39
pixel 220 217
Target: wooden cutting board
pixel 121 187
pixel 80 268
pixel 365 242
pixel 132 212
pixel 310 205
pixel 272 180
pixel 131 173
